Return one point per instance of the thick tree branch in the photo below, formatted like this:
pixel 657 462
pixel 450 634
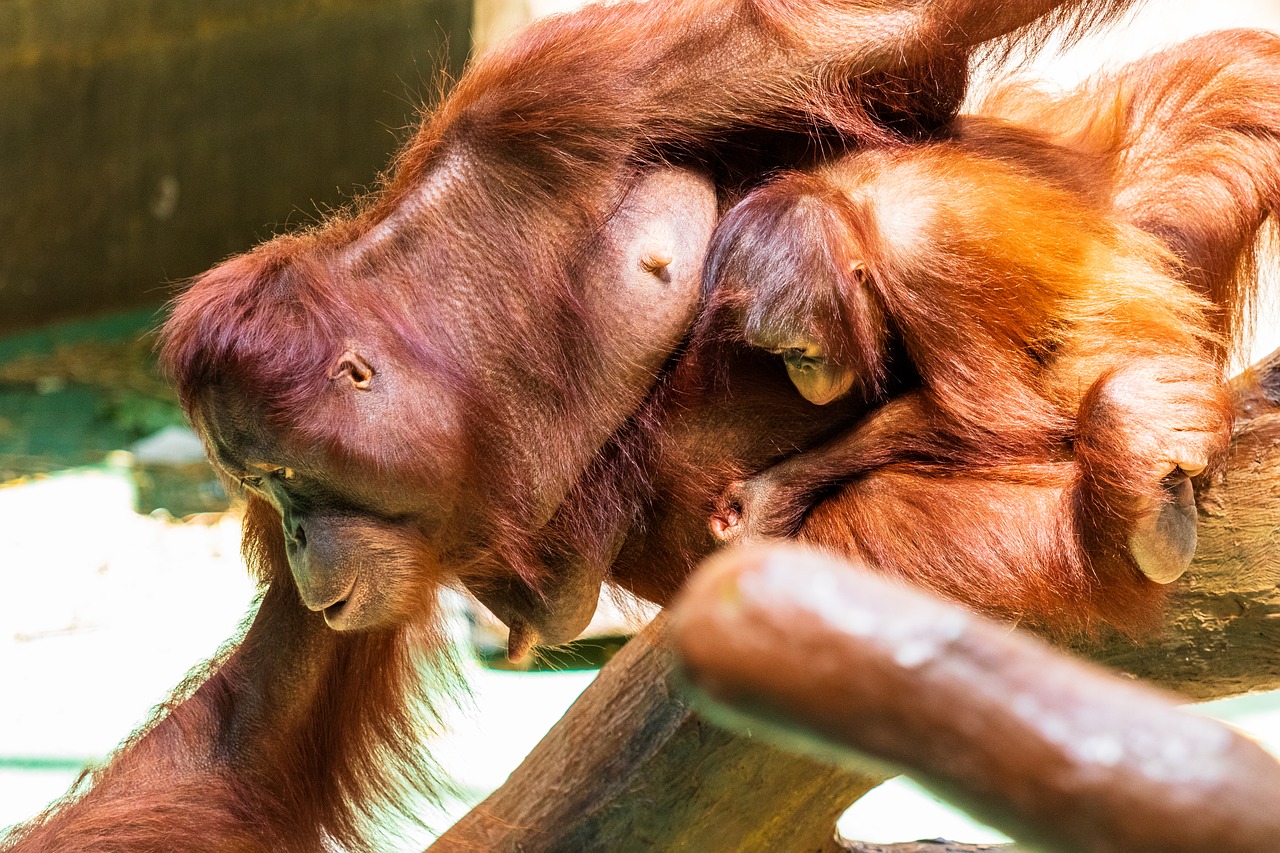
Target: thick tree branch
pixel 630 767
pixel 925 847
pixel 1054 751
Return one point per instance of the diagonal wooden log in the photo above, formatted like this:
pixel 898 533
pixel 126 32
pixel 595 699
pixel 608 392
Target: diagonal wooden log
pixel 926 847
pixel 1055 751
pixel 631 767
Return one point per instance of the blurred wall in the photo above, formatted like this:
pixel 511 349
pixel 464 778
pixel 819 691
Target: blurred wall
pixel 143 140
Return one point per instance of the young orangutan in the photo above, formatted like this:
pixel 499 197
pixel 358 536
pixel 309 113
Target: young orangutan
pixel 1009 379
pixel 1028 316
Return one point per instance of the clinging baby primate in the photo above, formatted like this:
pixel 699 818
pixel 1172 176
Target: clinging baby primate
pixel 408 391
pixel 1026 314
pixel 1044 374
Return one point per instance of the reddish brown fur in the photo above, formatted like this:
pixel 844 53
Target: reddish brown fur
pixel 463 271
pixel 1046 345
pixel 1189 150
pixel 1190 135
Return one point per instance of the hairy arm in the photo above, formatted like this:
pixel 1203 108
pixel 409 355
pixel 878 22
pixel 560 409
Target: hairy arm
pixel 200 767
pixel 775 501
pixel 1196 141
pixel 672 75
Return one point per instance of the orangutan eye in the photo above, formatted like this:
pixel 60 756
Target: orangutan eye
pixel 801 353
pixel 797 359
pixel 801 356
pixel 257 482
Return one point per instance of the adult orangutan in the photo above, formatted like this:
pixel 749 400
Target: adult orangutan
pixel 1000 379
pixel 411 392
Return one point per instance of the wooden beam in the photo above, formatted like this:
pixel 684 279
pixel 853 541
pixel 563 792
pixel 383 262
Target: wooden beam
pixel 824 655
pixel 631 767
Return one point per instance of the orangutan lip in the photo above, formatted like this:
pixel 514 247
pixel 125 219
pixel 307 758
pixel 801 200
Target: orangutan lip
pixel 335 616
pixel 521 639
pixel 334 613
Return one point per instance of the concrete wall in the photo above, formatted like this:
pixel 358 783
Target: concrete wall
pixel 143 140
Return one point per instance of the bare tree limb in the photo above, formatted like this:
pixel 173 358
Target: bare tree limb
pixel 1052 750
pixel 925 847
pixel 630 767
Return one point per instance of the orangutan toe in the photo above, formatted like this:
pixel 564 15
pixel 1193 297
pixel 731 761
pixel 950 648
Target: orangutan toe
pixel 1164 539
pixel 730 520
pixel 1193 469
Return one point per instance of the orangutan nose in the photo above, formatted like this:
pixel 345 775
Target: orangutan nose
pixel 321 585
pixel 295 538
pixel 319 590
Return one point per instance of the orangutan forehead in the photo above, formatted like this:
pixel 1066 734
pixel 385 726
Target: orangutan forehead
pixel 233 427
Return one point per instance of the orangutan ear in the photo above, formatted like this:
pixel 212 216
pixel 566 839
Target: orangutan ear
pixel 643 278
pixel 354 368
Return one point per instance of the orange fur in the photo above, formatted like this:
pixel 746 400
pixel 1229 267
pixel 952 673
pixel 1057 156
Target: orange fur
pixel 1032 346
pixel 293 735
pixel 1190 137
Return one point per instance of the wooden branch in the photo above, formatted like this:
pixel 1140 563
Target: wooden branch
pixel 823 654
pixel 631 767
pixel 925 847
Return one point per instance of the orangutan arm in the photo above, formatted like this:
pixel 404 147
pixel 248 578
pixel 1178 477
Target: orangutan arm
pixel 274 747
pixel 683 74
pixel 774 501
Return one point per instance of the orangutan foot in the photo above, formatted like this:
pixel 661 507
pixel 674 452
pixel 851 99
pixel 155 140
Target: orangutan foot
pixel 1164 539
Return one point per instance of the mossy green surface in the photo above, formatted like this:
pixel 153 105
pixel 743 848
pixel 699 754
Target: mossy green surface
pixel 72 393
pixel 144 140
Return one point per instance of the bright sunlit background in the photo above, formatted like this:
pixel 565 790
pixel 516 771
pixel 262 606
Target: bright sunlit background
pixel 106 607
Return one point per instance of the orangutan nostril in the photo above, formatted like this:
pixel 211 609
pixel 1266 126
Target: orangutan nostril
pixel 295 538
pixel 335 613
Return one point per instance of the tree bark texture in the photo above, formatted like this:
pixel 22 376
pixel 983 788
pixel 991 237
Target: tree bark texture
pixel 630 767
